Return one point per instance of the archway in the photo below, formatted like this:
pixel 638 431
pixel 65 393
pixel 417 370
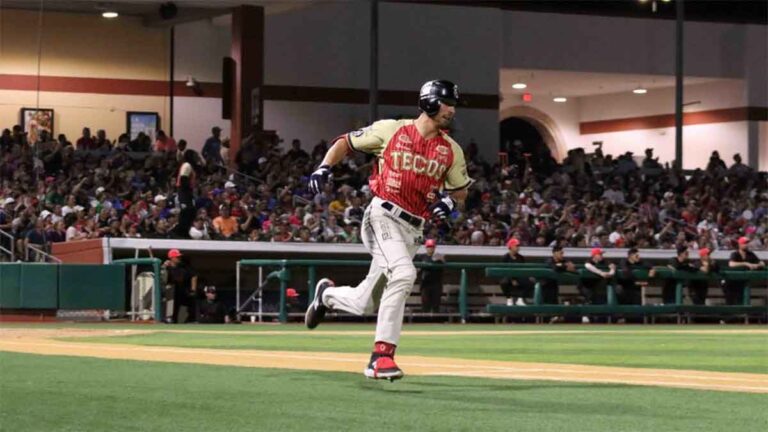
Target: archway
pixel 543 124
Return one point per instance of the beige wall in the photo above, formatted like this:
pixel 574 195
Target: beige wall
pixel 73 111
pixel 85 46
pixel 82 46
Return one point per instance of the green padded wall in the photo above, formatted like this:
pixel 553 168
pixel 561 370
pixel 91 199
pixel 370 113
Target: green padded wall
pixel 86 286
pixel 39 284
pixel 10 286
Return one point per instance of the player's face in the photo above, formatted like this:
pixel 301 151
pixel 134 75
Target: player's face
pixel 445 115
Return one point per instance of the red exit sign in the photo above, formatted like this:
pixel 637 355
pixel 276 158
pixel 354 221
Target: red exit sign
pixel 527 97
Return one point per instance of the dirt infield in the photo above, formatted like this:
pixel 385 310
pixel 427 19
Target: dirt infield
pixel 40 341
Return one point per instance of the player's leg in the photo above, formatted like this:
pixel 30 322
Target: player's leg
pixel 398 241
pixel 359 299
pixel 401 275
pixel 356 300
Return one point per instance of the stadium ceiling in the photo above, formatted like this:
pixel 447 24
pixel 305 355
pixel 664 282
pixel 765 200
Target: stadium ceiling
pixel 723 11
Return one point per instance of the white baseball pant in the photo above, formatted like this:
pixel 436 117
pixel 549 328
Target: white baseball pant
pixel 392 243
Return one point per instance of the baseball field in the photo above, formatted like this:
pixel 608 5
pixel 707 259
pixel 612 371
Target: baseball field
pixel 102 377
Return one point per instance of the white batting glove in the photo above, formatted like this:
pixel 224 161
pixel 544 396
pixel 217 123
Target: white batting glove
pixel 443 207
pixel 319 178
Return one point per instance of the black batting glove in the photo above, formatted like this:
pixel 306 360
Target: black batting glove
pixel 319 178
pixel 442 208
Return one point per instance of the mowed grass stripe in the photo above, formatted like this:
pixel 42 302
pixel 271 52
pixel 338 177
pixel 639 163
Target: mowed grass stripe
pixel 76 394
pixel 725 353
pixel 369 328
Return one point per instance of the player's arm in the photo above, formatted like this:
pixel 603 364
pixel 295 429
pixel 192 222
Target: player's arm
pixel 337 152
pixel 457 180
pixel 460 196
pixel 368 140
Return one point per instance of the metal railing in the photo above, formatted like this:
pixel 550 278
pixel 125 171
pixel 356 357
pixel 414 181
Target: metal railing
pixel 39 255
pixel 12 251
pixel 284 277
pixel 680 277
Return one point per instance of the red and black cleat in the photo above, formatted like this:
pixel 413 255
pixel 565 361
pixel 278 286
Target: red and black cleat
pixel 383 367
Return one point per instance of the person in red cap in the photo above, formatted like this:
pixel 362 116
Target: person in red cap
pixel 431 278
pixel 595 290
pixel 184 282
pixel 698 289
pixel 743 259
pixel 521 287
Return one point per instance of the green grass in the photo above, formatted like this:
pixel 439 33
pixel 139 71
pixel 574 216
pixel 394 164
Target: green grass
pixel 630 348
pixel 335 326
pixel 41 393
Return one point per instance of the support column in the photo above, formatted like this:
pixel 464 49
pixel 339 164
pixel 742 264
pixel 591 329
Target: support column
pixel 248 53
pixel 373 91
pixel 679 24
pixel 756 82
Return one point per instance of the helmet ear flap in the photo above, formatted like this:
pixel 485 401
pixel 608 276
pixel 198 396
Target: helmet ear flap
pixel 430 105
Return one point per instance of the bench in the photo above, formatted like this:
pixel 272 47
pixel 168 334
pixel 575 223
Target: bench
pixel 679 309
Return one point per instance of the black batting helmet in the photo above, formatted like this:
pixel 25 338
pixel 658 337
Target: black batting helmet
pixel 436 91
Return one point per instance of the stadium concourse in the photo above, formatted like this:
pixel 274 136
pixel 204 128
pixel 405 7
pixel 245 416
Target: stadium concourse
pixel 54 191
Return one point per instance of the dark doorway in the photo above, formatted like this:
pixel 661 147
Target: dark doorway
pixel 525 146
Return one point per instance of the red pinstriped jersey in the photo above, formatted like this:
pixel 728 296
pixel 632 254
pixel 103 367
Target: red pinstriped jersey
pixel 410 167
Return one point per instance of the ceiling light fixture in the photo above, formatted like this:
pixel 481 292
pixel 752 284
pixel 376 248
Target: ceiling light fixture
pixel 519 85
pixel 640 90
pixel 560 99
pixel 109 14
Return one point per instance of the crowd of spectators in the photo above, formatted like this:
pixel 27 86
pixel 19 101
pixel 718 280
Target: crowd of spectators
pixel 52 191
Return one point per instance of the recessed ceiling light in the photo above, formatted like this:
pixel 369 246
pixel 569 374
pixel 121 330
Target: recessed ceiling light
pixel 519 86
pixel 640 90
pixel 560 99
pixel 109 14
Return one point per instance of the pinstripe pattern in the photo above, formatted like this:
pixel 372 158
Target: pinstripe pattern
pixel 411 168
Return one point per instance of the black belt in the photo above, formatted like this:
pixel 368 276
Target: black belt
pixel 404 215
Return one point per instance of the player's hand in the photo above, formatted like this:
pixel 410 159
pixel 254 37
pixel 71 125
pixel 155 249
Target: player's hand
pixel 442 207
pixel 319 178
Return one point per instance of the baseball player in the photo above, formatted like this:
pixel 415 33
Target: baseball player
pixel 420 173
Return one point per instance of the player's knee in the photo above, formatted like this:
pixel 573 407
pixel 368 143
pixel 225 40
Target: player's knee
pixel 405 274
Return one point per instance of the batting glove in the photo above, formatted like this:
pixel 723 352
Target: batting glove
pixel 443 207
pixel 319 178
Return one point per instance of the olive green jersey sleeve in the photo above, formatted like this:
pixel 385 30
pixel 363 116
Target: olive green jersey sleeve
pixel 373 139
pixel 457 178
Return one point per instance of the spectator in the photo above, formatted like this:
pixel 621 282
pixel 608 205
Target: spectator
pixel 511 287
pixel 211 310
pixel 86 142
pixel 199 230
pixel 164 143
pixel 628 291
pixel 212 148
pixel 549 287
pixel 37 238
pixel 141 144
pixel 715 164
pixel 101 142
pixel 225 225
pixel 594 290
pixel 431 281
pixel 296 154
pixel 679 263
pixel 697 289
pixel 744 259
pixel 183 280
